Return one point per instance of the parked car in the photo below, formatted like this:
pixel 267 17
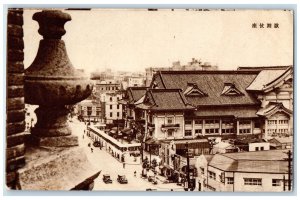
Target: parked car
pixel 106 178
pixel 150 189
pixel 122 179
pixel 152 179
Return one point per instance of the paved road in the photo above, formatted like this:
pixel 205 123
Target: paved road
pixel 109 165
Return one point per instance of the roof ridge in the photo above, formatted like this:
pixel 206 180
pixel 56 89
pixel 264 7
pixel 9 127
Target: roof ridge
pixel 162 80
pixel 209 72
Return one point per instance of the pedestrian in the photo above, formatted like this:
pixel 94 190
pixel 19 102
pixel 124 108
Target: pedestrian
pixel 92 150
pixel 134 173
pixel 82 136
pixel 123 165
pixel 83 131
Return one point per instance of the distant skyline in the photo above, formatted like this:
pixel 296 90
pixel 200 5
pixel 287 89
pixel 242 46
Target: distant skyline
pixel 132 40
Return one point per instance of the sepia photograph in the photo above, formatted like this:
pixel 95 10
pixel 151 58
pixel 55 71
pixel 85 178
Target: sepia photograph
pixel 193 100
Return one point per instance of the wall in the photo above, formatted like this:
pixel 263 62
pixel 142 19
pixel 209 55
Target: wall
pixel 264 145
pixel 266 182
pixel 15 121
pixel 161 119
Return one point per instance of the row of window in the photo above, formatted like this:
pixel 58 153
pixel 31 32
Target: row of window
pixel 278 122
pixel 281 130
pixel 110 88
pixel 111 106
pixel 247 181
pixel 111 114
pixel 216 131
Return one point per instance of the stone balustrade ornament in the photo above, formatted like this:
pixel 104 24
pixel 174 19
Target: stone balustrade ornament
pixel 54 159
pixel 52 82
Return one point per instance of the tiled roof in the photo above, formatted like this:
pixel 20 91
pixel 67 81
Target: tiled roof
pixel 265 77
pixel 272 108
pixel 166 99
pixel 211 83
pixel 135 93
pixel 238 112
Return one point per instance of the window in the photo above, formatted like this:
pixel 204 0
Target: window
pixel 276 182
pixel 170 133
pixel 212 131
pixel 170 120
pixel 252 181
pixel 256 148
pixel 110 106
pixel 110 98
pixel 212 175
pixel 211 121
pixel 188 122
pixel 110 114
pixel 228 130
pixel 188 133
pixel 118 114
pixel 261 148
pixel 202 170
pixel 272 121
pixel 244 123
pixel 230 180
pixel 198 131
pixel 283 122
pixel 198 122
pixel 118 106
pixel 245 131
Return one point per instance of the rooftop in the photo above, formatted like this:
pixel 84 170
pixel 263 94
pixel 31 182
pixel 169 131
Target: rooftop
pixel 272 161
pixel 211 83
pixel 166 99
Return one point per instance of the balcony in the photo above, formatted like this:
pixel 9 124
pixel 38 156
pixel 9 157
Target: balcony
pixel 170 126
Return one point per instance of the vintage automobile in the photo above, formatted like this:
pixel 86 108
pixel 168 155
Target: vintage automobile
pixel 122 179
pixel 150 189
pixel 106 178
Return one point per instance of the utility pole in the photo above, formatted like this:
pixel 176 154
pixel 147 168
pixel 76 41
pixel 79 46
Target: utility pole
pixel 188 165
pixel 289 153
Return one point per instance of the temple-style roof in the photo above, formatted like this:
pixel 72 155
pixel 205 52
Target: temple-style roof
pixel 268 78
pixel 211 84
pixel 165 99
pixel 133 94
pixel 272 108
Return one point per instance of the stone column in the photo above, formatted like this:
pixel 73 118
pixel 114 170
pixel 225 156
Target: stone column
pixel 15 122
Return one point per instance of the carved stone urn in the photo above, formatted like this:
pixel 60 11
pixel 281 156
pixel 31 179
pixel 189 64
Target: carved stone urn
pixel 52 82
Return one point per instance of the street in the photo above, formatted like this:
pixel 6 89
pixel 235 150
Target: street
pixel 109 165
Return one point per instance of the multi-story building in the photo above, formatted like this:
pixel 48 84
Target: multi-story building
pixel 207 104
pixel 90 110
pixel 261 171
pixel 273 87
pixel 112 109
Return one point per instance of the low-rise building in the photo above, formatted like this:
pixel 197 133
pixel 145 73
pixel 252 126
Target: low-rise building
pixel 261 171
pixel 281 142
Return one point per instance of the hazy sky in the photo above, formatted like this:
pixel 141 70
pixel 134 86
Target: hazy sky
pixel 132 40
